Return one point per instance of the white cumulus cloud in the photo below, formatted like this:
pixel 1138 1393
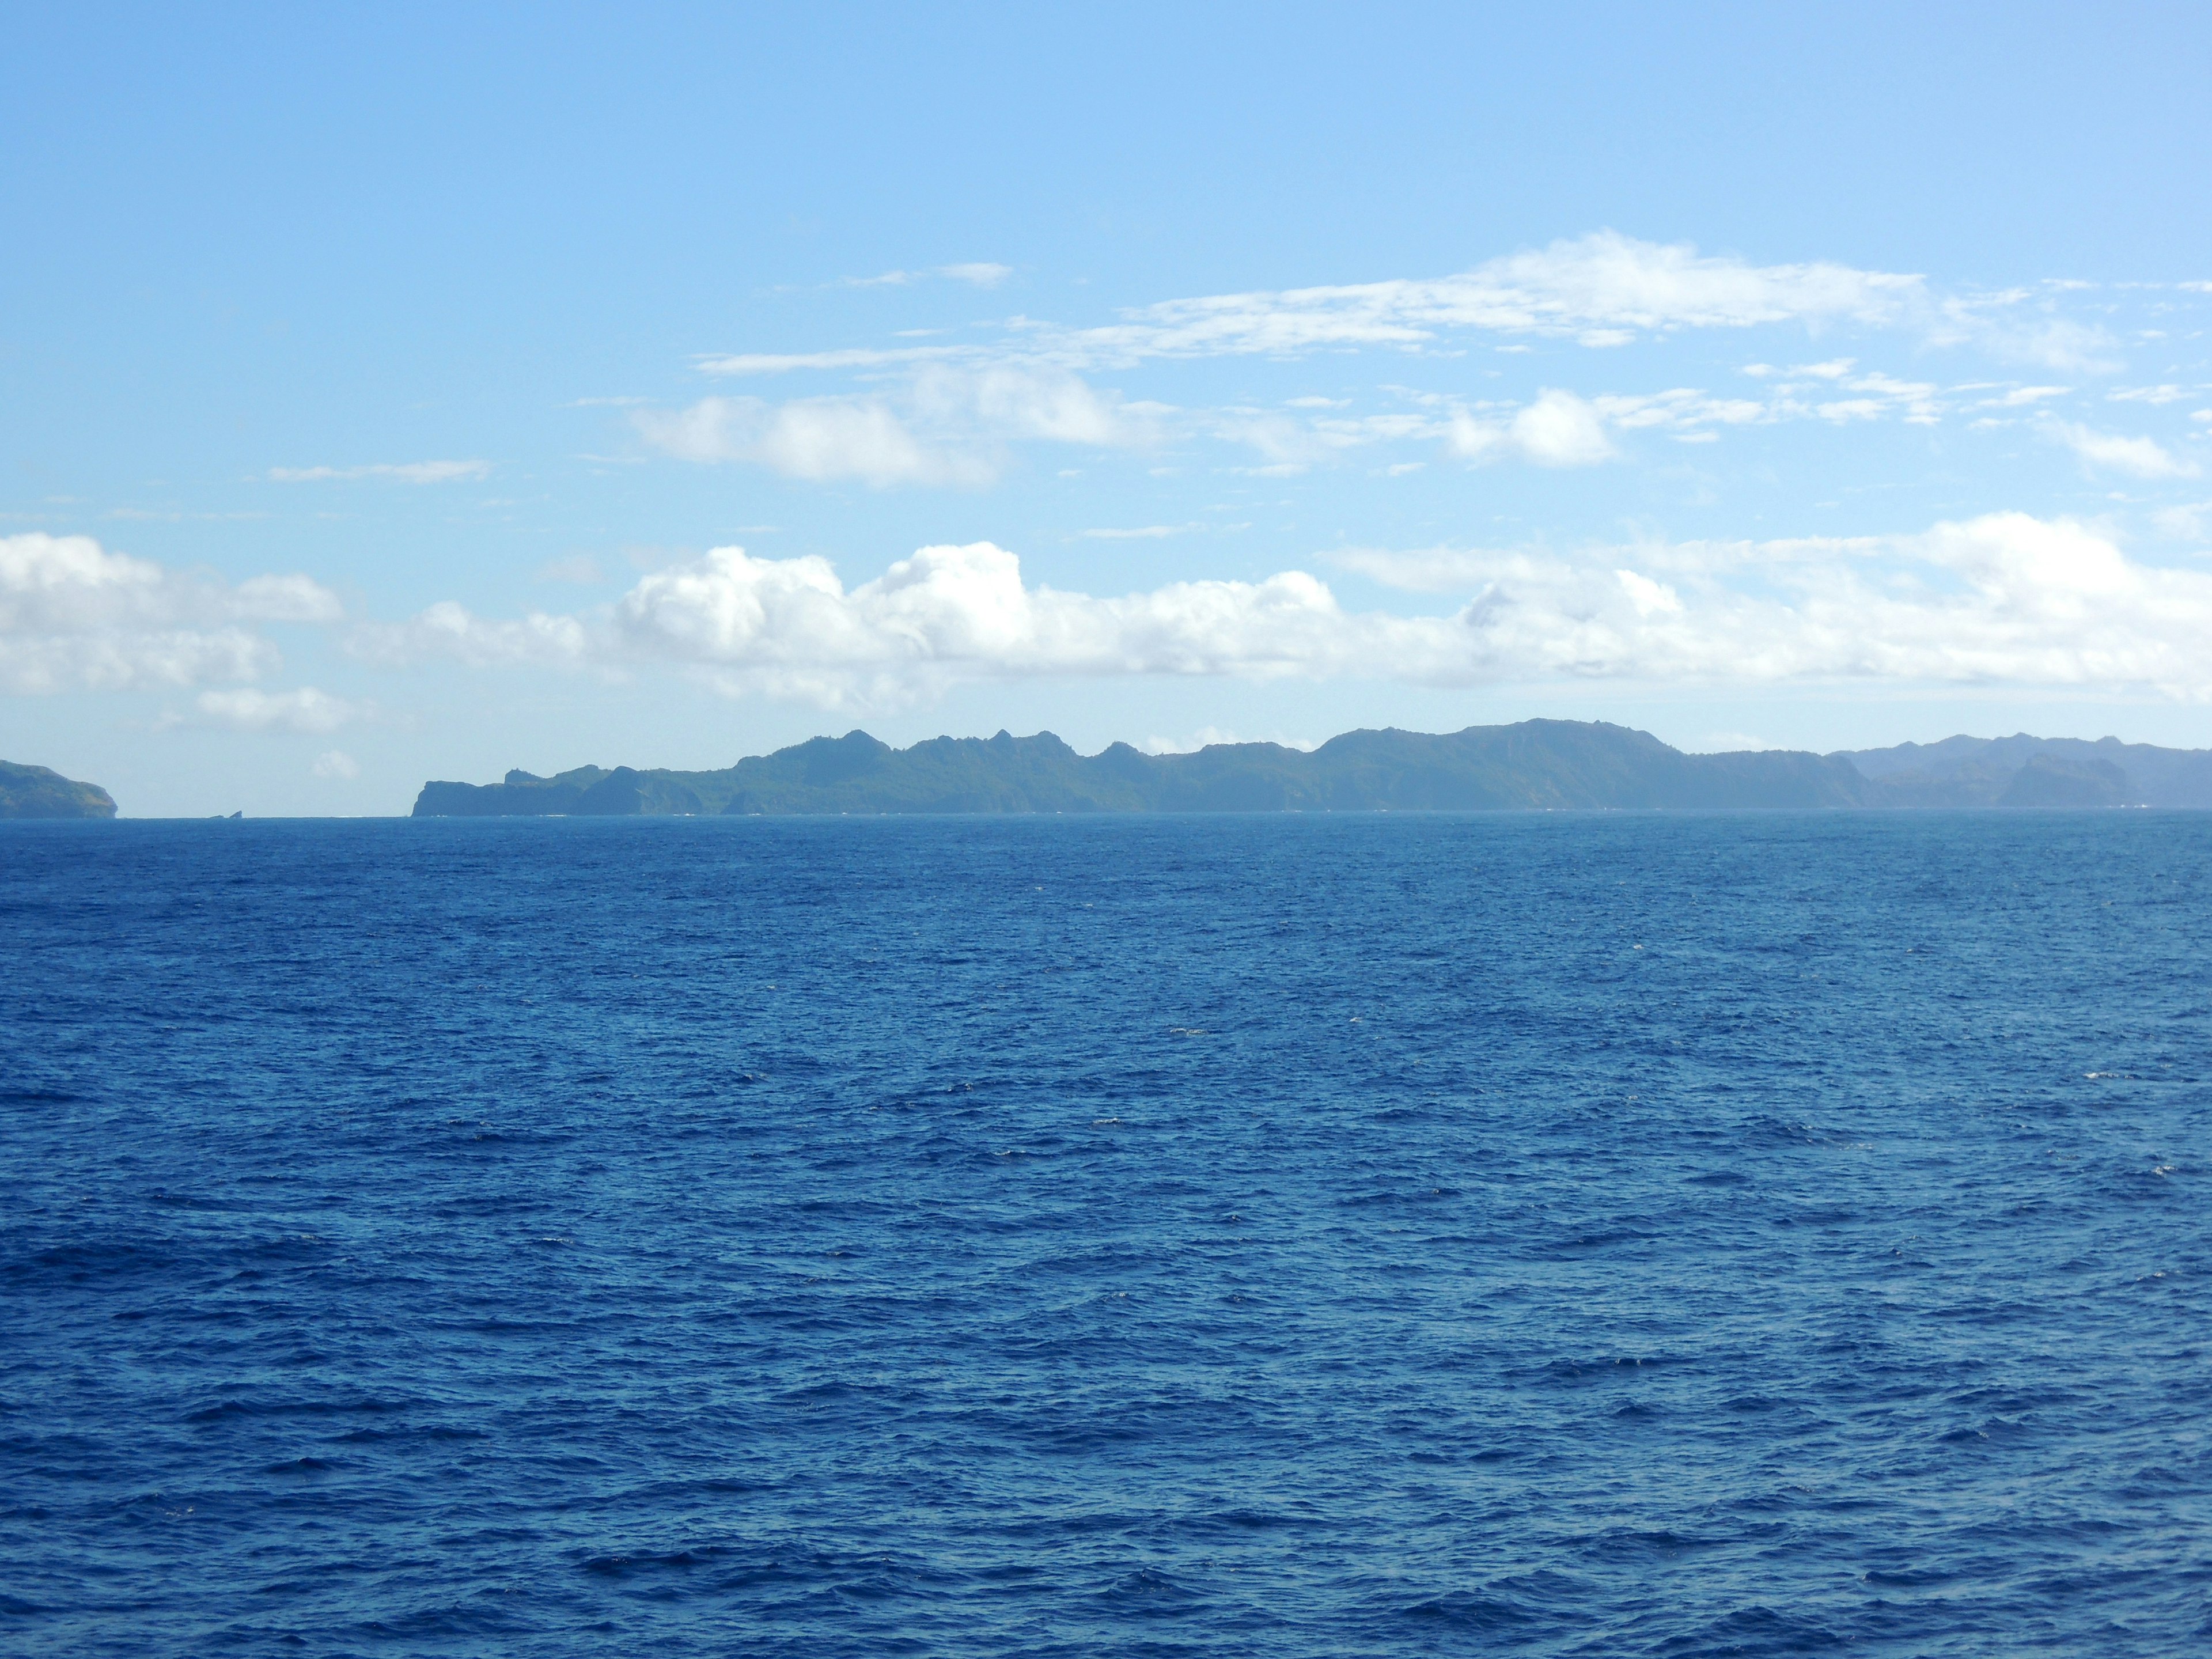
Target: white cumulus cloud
pixel 2005 599
pixel 2002 600
pixel 74 614
pixel 790 628
pixel 1558 429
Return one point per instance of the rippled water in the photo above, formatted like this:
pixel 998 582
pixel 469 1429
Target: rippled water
pixel 1393 1235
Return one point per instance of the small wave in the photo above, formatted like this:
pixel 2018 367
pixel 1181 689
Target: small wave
pixel 1470 1610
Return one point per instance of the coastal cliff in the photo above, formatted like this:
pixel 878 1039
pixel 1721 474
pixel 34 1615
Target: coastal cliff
pixel 39 792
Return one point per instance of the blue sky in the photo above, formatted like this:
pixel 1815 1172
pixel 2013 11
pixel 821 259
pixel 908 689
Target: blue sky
pixel 388 391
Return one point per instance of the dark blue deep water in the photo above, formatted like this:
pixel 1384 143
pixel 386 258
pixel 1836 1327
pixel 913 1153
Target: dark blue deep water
pixel 1384 1235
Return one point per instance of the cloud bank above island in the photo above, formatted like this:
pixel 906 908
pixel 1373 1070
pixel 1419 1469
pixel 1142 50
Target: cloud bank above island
pixel 2004 599
pixel 2000 599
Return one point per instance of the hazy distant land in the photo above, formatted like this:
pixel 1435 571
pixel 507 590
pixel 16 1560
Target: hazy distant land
pixel 36 792
pixel 1532 766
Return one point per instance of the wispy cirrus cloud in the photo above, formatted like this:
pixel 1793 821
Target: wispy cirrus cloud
pixel 2106 451
pixel 410 472
pixel 580 569
pixel 734 364
pixel 950 423
pixel 978 273
pixel 947 426
pixel 248 708
pixel 2024 397
pixel 1600 291
pixel 821 439
pixel 1993 325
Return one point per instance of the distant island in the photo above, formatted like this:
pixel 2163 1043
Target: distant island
pixel 1536 765
pixel 37 792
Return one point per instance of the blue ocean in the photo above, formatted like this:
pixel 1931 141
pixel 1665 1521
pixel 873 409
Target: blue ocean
pixel 1606 1234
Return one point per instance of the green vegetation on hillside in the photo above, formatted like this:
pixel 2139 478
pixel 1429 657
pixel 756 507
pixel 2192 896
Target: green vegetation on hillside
pixel 37 792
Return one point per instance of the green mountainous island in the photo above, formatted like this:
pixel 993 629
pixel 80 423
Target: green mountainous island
pixel 1533 766
pixel 36 792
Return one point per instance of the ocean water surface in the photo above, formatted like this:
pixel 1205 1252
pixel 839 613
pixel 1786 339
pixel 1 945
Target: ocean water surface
pixel 1572 1234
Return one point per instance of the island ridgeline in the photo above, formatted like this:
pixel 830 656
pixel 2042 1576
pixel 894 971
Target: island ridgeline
pixel 1535 765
